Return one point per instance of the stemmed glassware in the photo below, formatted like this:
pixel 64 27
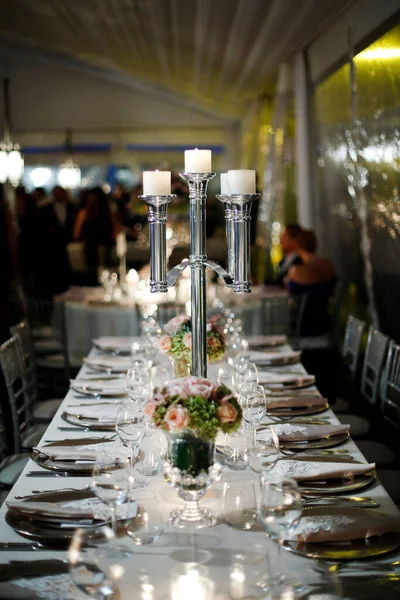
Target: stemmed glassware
pixel 138 384
pixel 254 406
pixel 131 431
pixel 248 373
pixel 239 504
pixel 262 457
pixel 279 510
pixel 143 351
pixel 111 484
pixel 93 567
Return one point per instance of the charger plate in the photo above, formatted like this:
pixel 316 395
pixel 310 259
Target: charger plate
pixel 52 533
pixel 62 466
pixel 296 384
pixel 326 442
pixel 87 423
pixel 350 550
pixel 297 411
pixel 278 360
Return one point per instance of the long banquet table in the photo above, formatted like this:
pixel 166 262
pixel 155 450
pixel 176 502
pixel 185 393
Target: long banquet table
pixel 234 559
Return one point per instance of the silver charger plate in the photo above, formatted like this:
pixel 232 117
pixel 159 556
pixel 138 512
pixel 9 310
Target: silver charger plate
pixel 87 423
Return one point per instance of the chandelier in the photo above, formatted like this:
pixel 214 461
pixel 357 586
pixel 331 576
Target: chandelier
pixel 69 173
pixel 11 159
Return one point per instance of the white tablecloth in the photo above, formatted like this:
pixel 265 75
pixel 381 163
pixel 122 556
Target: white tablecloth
pixel 234 559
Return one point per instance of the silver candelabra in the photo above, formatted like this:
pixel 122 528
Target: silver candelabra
pixel 238 219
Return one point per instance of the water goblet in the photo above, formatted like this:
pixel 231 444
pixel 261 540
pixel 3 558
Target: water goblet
pixel 247 374
pixel 149 522
pixel 239 504
pixel 235 451
pixel 279 510
pixel 225 376
pixel 93 567
pixel 138 384
pixel 254 406
pixel 262 457
pixel 152 449
pixel 111 484
pixel 131 431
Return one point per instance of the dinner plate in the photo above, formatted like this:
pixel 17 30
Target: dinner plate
pixel 95 390
pixel 121 346
pixel 87 423
pixel 297 411
pixel 326 442
pixel 267 341
pixel 47 533
pixel 348 550
pixel 278 360
pixel 108 365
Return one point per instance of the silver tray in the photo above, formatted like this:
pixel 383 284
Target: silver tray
pixel 87 423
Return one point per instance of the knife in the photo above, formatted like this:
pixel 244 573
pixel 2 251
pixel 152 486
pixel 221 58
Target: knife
pixel 55 474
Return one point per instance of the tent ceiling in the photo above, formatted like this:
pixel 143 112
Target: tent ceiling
pixel 211 56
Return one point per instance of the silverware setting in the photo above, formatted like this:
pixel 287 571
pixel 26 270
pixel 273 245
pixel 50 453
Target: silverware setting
pixel 55 474
pixel 55 491
pixel 28 546
pixel 332 568
pixel 342 501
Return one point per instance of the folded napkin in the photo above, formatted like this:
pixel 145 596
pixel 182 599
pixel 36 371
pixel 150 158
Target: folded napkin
pixel 121 343
pixel 105 388
pixel 267 340
pixel 296 433
pixel 278 379
pixel 314 471
pixel 50 509
pixel 65 453
pixel 341 528
pixel 266 357
pixel 296 402
pixel 101 413
pixel 114 363
pixel 33 568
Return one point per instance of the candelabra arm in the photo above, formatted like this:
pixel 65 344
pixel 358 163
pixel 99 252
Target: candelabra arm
pixel 176 271
pixel 220 271
pixel 241 209
pixel 230 233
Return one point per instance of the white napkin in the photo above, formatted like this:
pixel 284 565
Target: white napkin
pixel 272 379
pixel 267 340
pixel 66 453
pixel 275 356
pixel 121 343
pixel 49 509
pixel 103 414
pixel 105 388
pixel 115 363
pixel 313 470
pixel 297 433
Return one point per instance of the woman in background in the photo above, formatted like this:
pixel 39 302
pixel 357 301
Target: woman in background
pixel 96 227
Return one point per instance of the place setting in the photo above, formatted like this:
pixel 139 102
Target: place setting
pixel 118 345
pixel 278 382
pixel 258 342
pixel 275 359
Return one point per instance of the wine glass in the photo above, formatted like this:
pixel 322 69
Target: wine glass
pixel 279 510
pixel 254 406
pixel 235 345
pixel 111 484
pixel 247 374
pixel 93 567
pixel 149 522
pixel 143 351
pixel 262 457
pixel 152 448
pixel 131 431
pixel 239 504
pixel 138 383
pixel 225 376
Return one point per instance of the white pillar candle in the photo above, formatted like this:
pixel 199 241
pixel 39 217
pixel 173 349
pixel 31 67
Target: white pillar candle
pixel 197 161
pixel 224 184
pixel 242 181
pixel 121 244
pixel 156 183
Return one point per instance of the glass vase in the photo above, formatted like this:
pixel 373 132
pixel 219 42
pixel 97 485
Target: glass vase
pixel 190 468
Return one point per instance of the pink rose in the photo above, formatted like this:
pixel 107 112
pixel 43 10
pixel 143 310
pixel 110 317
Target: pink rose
pixel 165 343
pixel 174 324
pixel 212 342
pixel 150 408
pixel 226 399
pixel 198 386
pixel 227 413
pixel 176 418
pixel 187 340
pixel 176 387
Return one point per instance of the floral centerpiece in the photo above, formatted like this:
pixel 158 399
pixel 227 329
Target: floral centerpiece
pixel 192 410
pixel 176 341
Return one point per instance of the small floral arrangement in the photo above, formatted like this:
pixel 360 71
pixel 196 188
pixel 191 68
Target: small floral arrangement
pixel 195 405
pixel 177 338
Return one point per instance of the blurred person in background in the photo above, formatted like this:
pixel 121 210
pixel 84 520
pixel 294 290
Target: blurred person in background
pixel 289 250
pixel 96 226
pixel 65 211
pixel 50 265
pixel 25 212
pixel 122 199
pixel 8 265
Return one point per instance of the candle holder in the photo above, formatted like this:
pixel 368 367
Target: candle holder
pixel 241 215
pixel 230 233
pixel 122 272
pixel 158 206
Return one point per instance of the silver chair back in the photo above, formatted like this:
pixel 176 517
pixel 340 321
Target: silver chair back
pixel 19 401
pixel 390 388
pixel 352 344
pixel 375 355
pixel 23 335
